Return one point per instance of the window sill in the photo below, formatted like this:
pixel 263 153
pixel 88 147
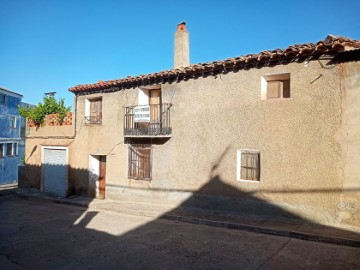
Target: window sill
pixel 274 99
pixel 140 179
pixel 95 124
pixel 248 181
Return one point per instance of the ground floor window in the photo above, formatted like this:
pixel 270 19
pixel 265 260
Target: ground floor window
pixel 2 149
pixel 140 162
pixel 248 165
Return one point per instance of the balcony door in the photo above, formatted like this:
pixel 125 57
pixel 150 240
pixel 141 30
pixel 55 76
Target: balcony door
pixel 155 108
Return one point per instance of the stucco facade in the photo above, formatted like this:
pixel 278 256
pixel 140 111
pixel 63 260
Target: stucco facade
pixel 349 139
pixel 12 144
pixel 308 143
pixel 213 117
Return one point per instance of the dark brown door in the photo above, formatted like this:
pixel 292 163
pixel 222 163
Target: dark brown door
pixel 102 177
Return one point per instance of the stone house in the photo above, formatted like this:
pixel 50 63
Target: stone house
pixel 277 128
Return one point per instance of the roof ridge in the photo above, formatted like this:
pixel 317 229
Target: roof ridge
pixel 331 44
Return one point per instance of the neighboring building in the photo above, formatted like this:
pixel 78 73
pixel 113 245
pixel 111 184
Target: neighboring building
pixel 12 133
pixel 45 161
pixel 280 127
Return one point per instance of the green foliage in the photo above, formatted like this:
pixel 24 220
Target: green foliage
pixel 62 110
pixel 49 106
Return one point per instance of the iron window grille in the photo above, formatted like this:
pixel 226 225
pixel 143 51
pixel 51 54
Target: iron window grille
pixel 140 162
pixel 248 165
pixel 93 120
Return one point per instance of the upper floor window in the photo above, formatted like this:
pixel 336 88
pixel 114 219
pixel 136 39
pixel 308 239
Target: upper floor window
pixel 2 98
pixel 2 149
pixel 22 131
pixel 15 149
pixel 248 165
pixel 13 121
pixel 275 86
pixel 9 149
pixel 93 111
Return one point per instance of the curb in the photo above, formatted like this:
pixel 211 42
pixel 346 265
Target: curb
pixel 49 199
pixel 251 228
pixel 213 223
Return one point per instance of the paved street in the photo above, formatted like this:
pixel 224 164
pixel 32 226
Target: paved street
pixel 39 235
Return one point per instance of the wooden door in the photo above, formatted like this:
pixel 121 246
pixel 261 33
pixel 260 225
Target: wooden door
pixel 155 108
pixel 102 177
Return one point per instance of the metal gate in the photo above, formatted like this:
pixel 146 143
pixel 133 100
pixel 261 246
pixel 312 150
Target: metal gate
pixel 55 170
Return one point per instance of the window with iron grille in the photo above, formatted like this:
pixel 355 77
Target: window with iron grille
pixel 2 149
pixel 140 162
pixel 248 165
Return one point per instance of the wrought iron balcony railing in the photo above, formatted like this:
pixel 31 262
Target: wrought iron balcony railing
pixel 97 120
pixel 148 121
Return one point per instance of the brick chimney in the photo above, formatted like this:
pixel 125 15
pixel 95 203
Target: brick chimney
pixel 181 48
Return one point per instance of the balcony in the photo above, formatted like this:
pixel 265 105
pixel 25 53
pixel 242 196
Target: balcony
pixel 148 121
pixel 93 120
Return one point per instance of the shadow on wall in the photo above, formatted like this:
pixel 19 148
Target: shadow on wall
pixel 210 198
pixel 30 176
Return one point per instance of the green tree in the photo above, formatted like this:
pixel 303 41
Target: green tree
pixel 49 106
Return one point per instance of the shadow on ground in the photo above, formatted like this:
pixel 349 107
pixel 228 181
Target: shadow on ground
pixel 38 236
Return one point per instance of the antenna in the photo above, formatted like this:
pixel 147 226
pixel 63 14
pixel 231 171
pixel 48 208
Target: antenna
pixel 50 94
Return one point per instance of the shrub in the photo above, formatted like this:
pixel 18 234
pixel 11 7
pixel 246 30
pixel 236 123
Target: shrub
pixel 49 106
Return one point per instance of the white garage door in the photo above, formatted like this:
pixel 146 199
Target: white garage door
pixel 55 171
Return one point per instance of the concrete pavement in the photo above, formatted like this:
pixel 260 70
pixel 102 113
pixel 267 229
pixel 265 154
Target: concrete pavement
pixel 299 229
pixel 43 235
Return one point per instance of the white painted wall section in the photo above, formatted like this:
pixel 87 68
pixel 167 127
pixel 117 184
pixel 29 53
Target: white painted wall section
pixel 94 172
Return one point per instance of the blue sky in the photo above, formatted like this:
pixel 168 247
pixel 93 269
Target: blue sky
pixel 51 45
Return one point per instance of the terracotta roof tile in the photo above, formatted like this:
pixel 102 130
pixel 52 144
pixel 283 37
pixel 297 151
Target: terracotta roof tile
pixel 331 45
